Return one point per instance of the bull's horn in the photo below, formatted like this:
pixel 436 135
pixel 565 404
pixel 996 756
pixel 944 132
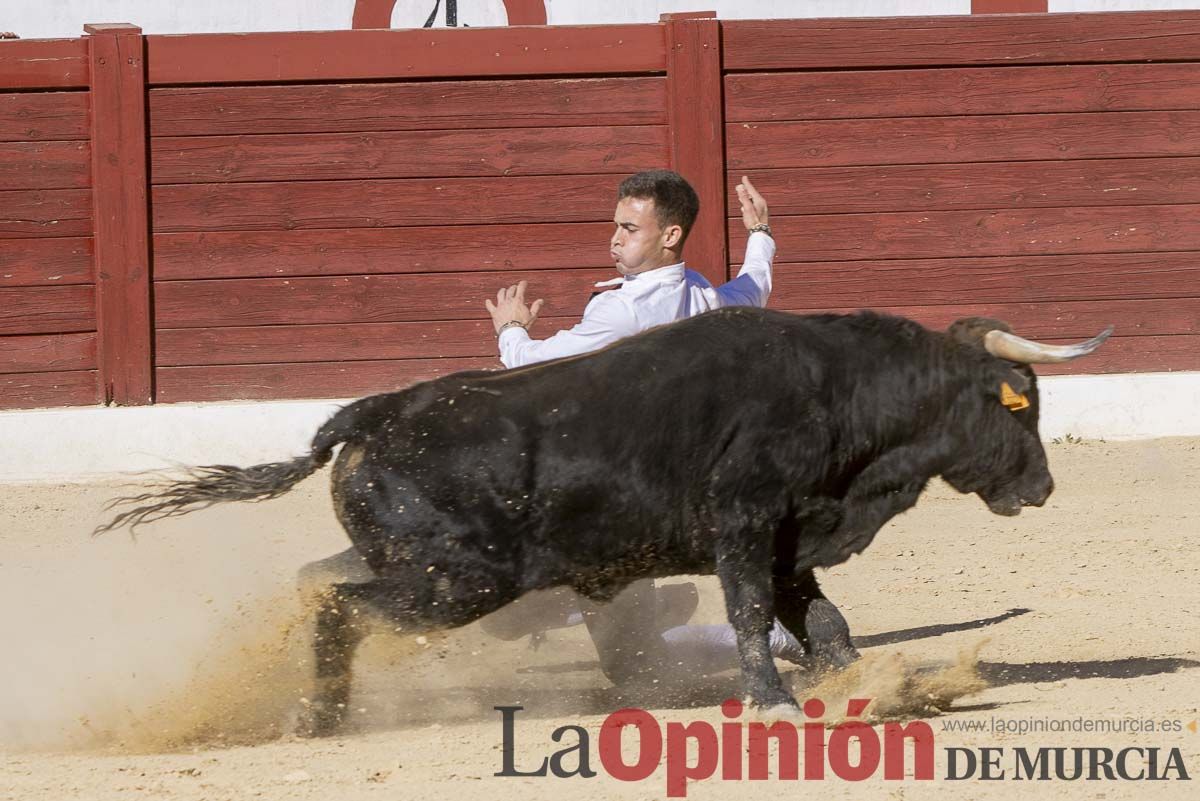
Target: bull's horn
pixel 1026 351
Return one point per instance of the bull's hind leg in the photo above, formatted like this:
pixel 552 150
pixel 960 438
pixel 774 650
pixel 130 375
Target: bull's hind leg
pixel 806 612
pixel 346 566
pixel 339 631
pixel 424 601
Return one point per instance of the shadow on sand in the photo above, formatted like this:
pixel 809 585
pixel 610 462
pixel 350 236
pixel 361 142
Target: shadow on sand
pixel 541 702
pixel 922 632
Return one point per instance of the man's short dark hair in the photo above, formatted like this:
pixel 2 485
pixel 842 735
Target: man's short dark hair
pixel 675 202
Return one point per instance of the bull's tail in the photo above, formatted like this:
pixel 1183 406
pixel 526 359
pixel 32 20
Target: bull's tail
pixel 213 484
pixel 209 485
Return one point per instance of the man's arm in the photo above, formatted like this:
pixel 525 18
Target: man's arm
pixel 752 286
pixel 605 320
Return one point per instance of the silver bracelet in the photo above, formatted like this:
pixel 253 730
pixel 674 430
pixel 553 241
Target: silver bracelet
pixel 761 228
pixel 509 324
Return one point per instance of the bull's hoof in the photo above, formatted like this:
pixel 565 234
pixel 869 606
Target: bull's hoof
pixel 772 698
pixel 835 656
pixel 828 637
pixel 777 712
pixel 320 720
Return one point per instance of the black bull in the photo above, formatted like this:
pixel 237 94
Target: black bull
pixel 752 444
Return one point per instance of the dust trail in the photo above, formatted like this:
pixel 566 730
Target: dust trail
pixel 110 642
pixel 900 687
pixel 245 689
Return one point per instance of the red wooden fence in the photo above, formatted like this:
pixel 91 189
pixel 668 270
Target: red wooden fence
pixel 47 283
pixel 909 172
pixel 224 216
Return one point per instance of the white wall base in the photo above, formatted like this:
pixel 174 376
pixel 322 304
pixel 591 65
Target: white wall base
pixel 77 444
pixel 1114 407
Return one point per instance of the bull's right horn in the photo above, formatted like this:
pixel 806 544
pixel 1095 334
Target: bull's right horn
pixel 1025 351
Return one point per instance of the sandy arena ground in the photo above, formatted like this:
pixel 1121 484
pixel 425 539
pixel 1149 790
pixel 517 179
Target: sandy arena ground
pixel 169 667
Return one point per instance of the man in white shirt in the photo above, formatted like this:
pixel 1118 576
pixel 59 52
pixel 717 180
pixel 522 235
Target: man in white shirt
pixel 655 212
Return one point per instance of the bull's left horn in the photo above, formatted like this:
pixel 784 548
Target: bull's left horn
pixel 1026 351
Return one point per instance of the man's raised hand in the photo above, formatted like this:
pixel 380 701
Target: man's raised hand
pixel 754 207
pixel 510 307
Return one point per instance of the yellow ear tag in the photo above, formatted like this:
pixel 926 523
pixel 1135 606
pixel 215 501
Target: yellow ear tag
pixel 1014 401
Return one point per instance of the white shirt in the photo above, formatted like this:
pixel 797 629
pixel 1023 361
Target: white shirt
pixel 643 301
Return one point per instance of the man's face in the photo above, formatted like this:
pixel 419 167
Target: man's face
pixel 638 242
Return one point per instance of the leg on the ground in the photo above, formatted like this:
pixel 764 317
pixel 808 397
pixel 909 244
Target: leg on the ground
pixel 712 648
pixel 626 635
pixel 816 622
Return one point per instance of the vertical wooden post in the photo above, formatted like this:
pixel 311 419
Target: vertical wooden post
pixel 696 116
pixel 121 213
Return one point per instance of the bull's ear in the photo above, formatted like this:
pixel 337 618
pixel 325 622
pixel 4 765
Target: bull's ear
pixel 1007 382
pixel 972 330
pixel 1018 381
pixel 1010 387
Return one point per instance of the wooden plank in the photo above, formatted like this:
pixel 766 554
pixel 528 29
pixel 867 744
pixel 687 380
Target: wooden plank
pixel 426 105
pixel 1003 185
pixel 319 380
pixel 272 344
pixel 1134 355
pixel 961 234
pixel 47 310
pixel 371 204
pixel 913 282
pixel 41 390
pixel 43 116
pixel 43 64
pixel 55 262
pixel 44 165
pixel 1120 354
pixel 122 238
pixel 406 154
pixel 360 299
pixel 855 94
pixel 348 379
pixel 694 107
pixel 1069 320
pixel 45 212
pixel 456 248
pixel 43 354
pixel 929 41
pixel 948 140
pixel 406 54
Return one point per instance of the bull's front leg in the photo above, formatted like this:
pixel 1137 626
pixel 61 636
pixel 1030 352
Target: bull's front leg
pixel 748 589
pixel 885 488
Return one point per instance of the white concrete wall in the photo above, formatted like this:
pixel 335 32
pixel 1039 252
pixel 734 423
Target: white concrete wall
pixel 64 18
pixel 1056 6
pixel 582 12
pixel 73 444
pixel 34 19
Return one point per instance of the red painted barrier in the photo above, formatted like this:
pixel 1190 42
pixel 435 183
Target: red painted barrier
pixel 220 216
